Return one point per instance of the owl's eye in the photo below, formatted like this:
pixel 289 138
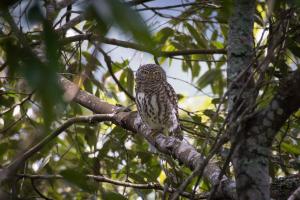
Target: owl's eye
pixel 156 75
pixel 145 72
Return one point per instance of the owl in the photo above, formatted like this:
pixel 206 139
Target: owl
pixel 156 100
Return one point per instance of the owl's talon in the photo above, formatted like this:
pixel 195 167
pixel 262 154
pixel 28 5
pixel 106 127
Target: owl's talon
pixel 154 133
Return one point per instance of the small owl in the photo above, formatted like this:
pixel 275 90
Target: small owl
pixel 156 100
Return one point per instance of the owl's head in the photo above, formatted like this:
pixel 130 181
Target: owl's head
pixel 150 73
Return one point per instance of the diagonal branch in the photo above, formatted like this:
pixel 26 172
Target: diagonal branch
pixel 184 152
pixel 285 102
pixel 109 62
pixel 295 195
pixel 76 20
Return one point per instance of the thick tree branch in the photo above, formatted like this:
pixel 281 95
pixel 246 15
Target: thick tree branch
pixel 180 150
pixel 295 195
pixel 199 170
pixel 285 187
pixel 284 103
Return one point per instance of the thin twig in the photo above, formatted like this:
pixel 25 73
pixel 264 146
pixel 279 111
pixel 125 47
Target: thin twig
pixel 14 165
pixel 197 4
pixel 109 66
pixel 37 190
pixel 98 178
pixel 139 47
pixel 17 104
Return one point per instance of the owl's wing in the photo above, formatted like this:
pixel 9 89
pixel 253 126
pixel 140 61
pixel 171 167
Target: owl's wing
pixel 172 96
pixel 174 101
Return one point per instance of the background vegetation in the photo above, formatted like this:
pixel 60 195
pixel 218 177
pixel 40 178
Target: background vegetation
pixel 98 46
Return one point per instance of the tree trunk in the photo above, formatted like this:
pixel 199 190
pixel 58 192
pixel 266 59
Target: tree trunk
pixel 250 158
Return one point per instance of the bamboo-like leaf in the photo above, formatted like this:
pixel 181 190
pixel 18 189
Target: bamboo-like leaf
pixel 209 77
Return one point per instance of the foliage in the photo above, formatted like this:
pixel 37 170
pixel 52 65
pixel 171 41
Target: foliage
pixel 34 52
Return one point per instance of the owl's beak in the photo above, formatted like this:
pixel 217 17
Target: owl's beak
pixel 151 76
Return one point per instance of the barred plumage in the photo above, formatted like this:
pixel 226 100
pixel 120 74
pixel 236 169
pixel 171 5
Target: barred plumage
pixel 156 100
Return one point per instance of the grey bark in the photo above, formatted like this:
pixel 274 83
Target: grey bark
pixel 251 172
pixel 252 138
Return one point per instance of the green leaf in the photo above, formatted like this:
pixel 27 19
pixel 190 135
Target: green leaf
pixel 130 80
pixel 225 12
pixel 3 148
pixel 116 66
pixel 196 35
pixel 127 80
pixel 79 179
pixel 90 136
pixel 209 77
pixel 184 66
pixel 127 19
pixel 91 58
pixel 216 101
pixel 289 148
pixel 196 118
pixel 217 44
pixel 294 2
pixel 113 195
pixel 137 177
pixel 163 34
pixel 294 48
pixel 214 36
pixel 195 69
pixel 144 156
pixel 177 45
pixel 218 86
pixel 204 185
